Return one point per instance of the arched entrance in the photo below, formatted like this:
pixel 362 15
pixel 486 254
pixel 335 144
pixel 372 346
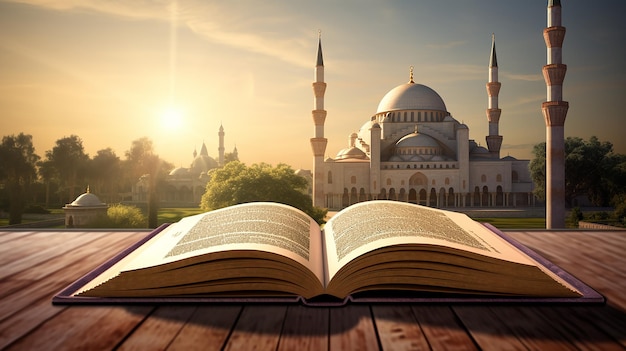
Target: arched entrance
pixel 413 196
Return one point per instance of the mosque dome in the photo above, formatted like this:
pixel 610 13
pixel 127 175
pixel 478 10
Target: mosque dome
pixel 202 163
pixel 351 153
pixel 411 96
pixel 417 140
pixel 87 200
pixel 179 172
pixel 417 144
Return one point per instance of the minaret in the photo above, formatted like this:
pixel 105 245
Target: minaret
pixel 494 141
pixel 220 149
pixel 554 112
pixel 318 142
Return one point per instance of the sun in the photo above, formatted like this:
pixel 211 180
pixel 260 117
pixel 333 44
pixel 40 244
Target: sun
pixel 171 118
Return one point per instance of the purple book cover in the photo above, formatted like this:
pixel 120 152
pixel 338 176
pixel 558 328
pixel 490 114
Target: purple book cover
pixel 589 295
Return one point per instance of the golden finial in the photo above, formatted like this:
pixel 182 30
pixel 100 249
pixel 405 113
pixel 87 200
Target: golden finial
pixel 411 75
pixel 87 189
pixel 415 128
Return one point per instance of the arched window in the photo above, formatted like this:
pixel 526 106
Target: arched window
pixel 485 197
pixel 483 178
pixel 422 200
pixel 450 197
pixel 388 181
pixel 354 198
pixel 413 196
pixel 499 196
pixel 353 180
pixel 433 198
pixel 447 181
pixel 330 177
pixel 499 178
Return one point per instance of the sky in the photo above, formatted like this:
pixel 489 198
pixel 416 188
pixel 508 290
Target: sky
pixel 114 71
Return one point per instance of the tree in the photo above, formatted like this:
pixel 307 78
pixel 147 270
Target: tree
pixel 69 160
pixel 104 174
pixel 230 157
pixel 18 170
pixel 48 176
pixel 591 169
pixel 538 170
pixel 236 183
pixel 142 161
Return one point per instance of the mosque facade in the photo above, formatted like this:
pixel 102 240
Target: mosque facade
pixel 186 185
pixel 413 150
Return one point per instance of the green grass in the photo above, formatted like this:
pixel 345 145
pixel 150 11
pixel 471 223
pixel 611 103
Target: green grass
pixel 514 223
pixel 172 215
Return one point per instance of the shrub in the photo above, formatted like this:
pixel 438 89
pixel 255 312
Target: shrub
pixel 575 216
pixel 122 216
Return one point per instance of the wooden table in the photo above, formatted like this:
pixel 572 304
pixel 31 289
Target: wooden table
pixel 34 265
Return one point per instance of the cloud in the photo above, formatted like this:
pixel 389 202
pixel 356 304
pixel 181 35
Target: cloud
pixel 221 23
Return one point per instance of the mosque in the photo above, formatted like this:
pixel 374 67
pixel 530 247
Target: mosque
pixel 413 150
pixel 186 185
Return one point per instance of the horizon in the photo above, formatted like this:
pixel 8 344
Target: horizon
pixel 175 72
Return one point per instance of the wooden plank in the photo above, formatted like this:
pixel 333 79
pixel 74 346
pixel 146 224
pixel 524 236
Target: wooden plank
pixel 305 328
pixel 608 319
pixel 258 328
pixel 74 266
pixel 581 332
pixel 29 245
pixel 598 265
pixel 398 329
pixel 487 329
pixel 442 329
pixel 159 329
pixel 10 235
pixel 533 330
pixel 352 328
pixel 84 328
pixel 207 329
pixel 28 307
pixel 65 242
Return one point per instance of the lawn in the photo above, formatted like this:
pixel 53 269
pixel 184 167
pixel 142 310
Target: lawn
pixel 171 215
pixel 514 222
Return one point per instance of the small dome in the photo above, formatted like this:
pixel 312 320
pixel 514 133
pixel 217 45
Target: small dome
pixel 87 200
pixel 417 140
pixel 202 163
pixel 351 153
pixel 179 172
pixel 411 96
pixel 480 150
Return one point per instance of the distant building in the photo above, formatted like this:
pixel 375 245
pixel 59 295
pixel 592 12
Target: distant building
pixel 412 149
pixel 83 211
pixel 186 185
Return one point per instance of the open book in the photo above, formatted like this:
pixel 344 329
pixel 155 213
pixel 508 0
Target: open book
pixel 260 250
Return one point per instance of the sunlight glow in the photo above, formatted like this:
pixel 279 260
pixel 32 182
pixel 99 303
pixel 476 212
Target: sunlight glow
pixel 171 118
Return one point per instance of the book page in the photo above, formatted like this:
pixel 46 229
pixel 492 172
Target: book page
pixel 261 226
pixel 371 225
